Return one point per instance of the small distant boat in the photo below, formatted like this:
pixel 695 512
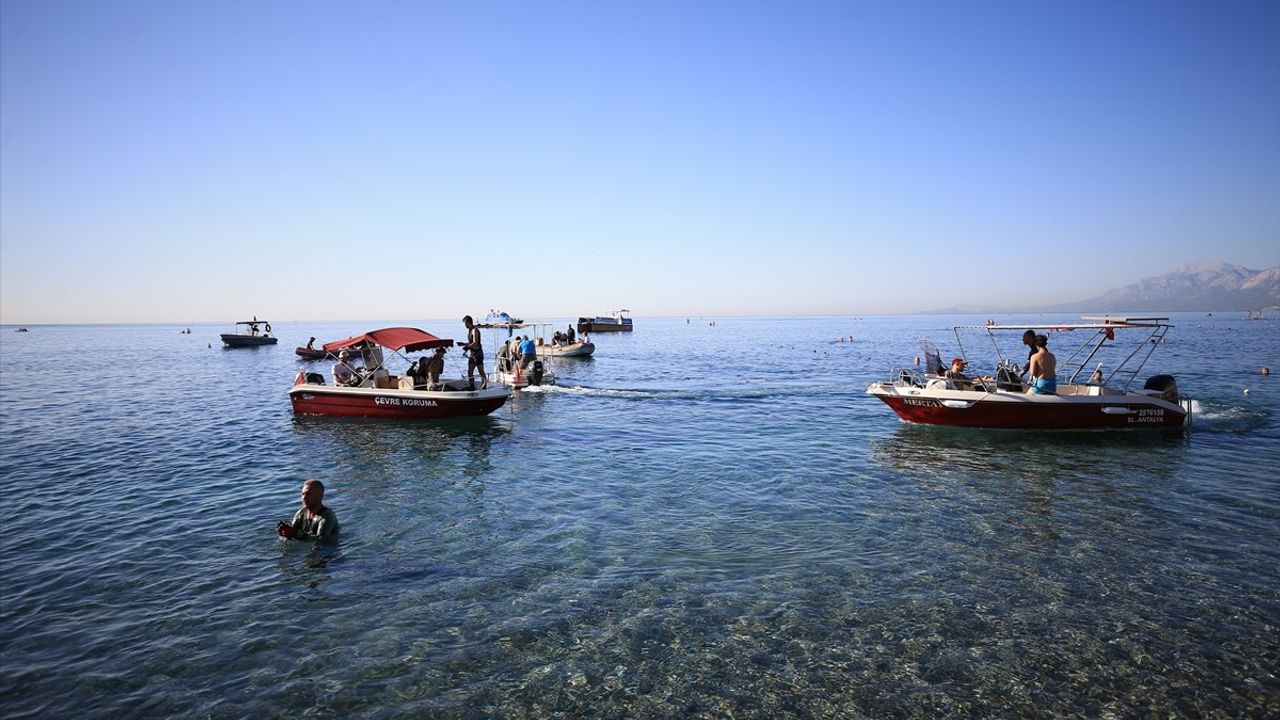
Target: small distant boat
pixel 306 353
pixel 311 352
pixel 496 318
pixel 580 348
pixel 616 321
pixel 21 330
pixel 251 337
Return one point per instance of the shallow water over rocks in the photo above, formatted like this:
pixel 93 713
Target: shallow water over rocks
pixel 701 521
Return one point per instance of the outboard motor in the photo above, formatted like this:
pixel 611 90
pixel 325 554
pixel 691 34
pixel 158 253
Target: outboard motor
pixel 1165 385
pixel 535 374
pixel 315 378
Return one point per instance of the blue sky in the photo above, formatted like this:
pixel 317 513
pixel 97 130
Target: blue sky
pixel 192 162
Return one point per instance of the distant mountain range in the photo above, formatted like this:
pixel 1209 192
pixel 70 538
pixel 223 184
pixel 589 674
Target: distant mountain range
pixel 1197 287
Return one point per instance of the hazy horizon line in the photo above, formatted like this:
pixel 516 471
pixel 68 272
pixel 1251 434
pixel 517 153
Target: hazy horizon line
pixel 538 319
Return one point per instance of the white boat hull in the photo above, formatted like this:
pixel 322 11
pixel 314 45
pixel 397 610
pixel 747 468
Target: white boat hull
pixel 576 349
pixel 524 378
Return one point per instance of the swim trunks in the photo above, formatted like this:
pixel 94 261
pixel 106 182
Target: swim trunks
pixel 1044 386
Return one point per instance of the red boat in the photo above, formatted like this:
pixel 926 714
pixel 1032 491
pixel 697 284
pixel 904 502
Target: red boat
pixel 381 394
pixel 1103 401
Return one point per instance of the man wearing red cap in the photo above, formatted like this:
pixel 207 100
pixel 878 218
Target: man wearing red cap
pixel 958 379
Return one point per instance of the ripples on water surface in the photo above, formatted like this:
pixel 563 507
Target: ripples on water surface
pixel 700 522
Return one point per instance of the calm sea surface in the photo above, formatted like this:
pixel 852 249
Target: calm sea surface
pixel 700 521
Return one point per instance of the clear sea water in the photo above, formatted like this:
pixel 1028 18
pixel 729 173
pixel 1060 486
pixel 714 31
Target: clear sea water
pixel 700 521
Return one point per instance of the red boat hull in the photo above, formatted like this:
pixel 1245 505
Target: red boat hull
pixel 391 404
pixel 1115 414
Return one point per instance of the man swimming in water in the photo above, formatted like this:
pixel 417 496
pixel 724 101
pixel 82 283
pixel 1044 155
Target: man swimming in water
pixel 313 521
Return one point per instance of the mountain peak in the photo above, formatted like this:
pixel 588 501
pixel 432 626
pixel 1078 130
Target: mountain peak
pixel 1203 266
pixel 1194 287
pixel 1197 286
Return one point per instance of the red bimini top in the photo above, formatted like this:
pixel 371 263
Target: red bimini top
pixel 394 338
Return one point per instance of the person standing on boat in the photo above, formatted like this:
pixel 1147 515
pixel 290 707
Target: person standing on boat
pixel 569 334
pixel 1029 339
pixel 1043 367
pixel 475 358
pixel 528 351
pixel 313 521
pixel 343 373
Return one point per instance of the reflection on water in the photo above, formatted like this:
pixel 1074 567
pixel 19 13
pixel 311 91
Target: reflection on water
pixel 308 564
pixel 393 465
pixel 376 441
pixel 945 452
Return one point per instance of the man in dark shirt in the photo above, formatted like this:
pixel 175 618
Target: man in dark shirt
pixel 313 521
pixel 958 379
pixel 1029 339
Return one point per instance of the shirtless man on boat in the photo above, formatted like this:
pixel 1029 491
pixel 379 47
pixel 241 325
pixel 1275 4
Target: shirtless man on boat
pixel 1043 368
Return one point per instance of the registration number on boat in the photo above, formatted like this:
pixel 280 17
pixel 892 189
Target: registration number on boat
pixel 1147 415
pixel 418 402
pixel 922 403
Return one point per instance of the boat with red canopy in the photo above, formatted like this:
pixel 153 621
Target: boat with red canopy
pixel 379 393
pixel 1103 399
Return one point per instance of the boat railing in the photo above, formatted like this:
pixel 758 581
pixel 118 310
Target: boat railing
pixel 1081 359
pixel 904 377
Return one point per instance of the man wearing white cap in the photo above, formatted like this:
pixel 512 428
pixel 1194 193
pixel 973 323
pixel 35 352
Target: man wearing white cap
pixel 343 373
